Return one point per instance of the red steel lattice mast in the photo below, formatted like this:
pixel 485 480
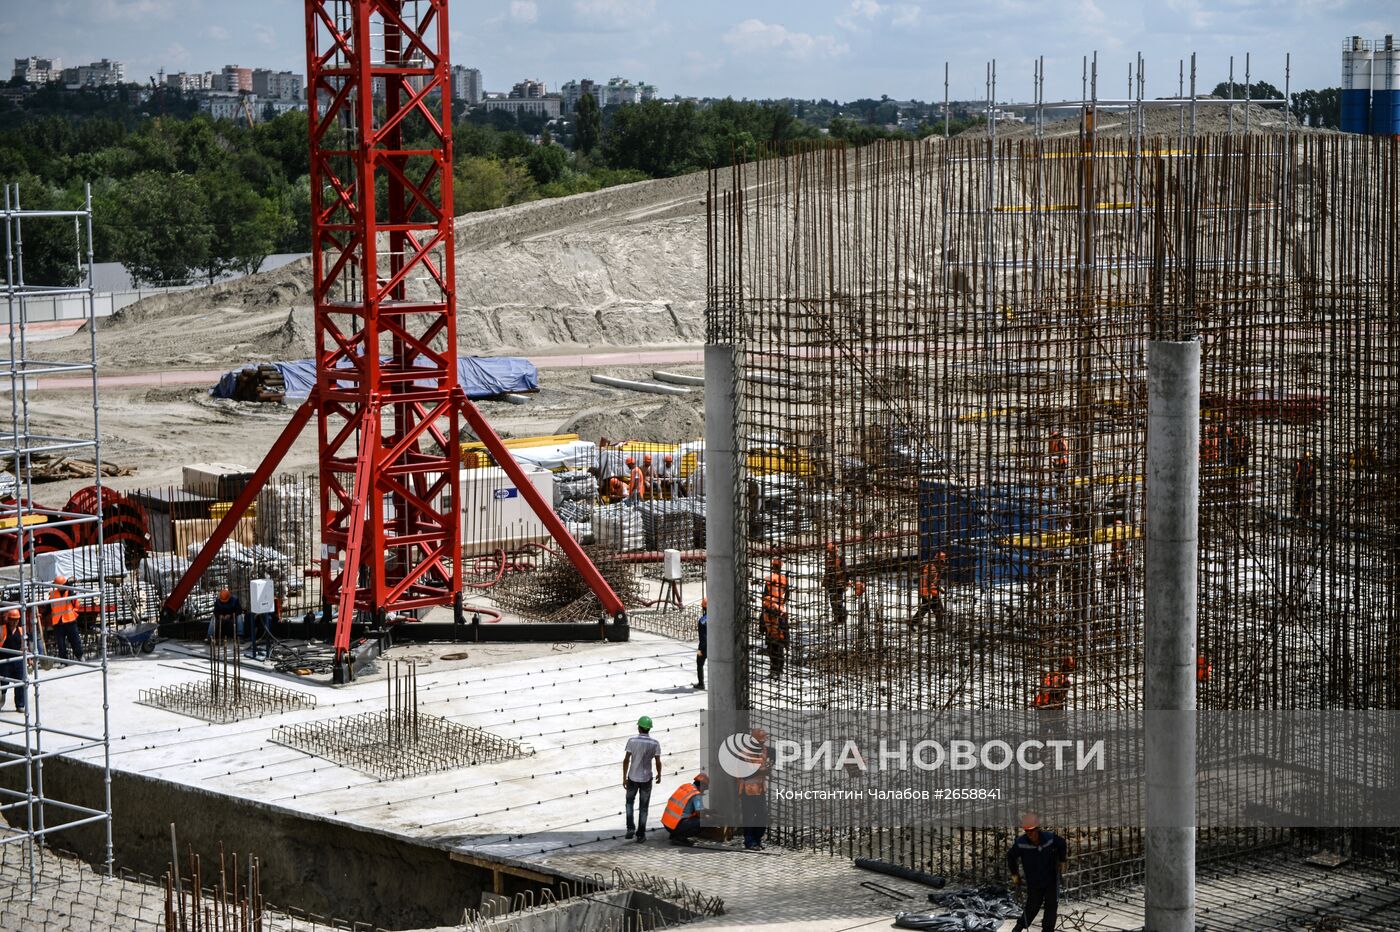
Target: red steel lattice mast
pixel 387 402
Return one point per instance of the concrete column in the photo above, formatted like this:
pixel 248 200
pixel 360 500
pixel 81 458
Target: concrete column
pixel 1169 695
pixel 723 572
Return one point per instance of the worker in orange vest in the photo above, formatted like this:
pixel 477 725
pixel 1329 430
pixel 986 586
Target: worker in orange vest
pixel 1059 450
pixel 753 794
pixel 63 617
pixel 648 477
pixel 636 481
pixel 931 589
pixel 835 580
pixel 12 658
pixel 1055 687
pixel 775 625
pixel 685 809
pixel 1203 668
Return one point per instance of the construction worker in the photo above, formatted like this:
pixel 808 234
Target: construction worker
pixel 753 796
pixel 931 589
pixel 775 622
pixel 63 617
pixel 637 760
pixel 1059 451
pixel 685 809
pixel 1236 446
pixel 1119 557
pixel 12 658
pixel 636 481
pixel 227 611
pixel 862 613
pixel 669 479
pixel 835 580
pixel 1203 669
pixel 1037 858
pixel 648 477
pixel 702 623
pixel 1304 485
pixel 1055 686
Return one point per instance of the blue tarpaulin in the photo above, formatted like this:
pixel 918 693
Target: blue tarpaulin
pixel 479 376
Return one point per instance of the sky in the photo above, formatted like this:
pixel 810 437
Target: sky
pixel 838 49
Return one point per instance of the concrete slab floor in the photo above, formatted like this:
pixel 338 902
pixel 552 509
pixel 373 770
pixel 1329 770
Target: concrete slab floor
pixel 559 809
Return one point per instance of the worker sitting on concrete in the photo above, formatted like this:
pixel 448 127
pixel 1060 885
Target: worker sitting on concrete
pixel 702 648
pixel 12 658
pixel 63 616
pixel 637 759
pixel 684 811
pixel 931 589
pixel 775 626
pixel 835 580
pixel 669 479
pixel 648 477
pixel 1038 856
pixel 227 611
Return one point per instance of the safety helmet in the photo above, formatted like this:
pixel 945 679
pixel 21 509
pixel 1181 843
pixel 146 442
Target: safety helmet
pixel 705 603
pixel 224 594
pixel 646 458
pixel 702 779
pixel 777 563
pixel 1067 664
pixel 631 461
pixel 860 588
pixel 1029 821
pixel 12 614
pixel 668 457
pixel 60 580
pixel 644 723
pixel 759 734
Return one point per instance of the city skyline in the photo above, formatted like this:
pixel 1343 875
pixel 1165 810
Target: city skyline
pixel 837 49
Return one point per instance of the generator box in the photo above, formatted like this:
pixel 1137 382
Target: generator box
pixel 495 515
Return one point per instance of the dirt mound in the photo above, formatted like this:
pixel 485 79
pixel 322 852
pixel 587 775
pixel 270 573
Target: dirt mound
pixel 677 419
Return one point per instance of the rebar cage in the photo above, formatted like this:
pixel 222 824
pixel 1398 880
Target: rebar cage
pixel 942 372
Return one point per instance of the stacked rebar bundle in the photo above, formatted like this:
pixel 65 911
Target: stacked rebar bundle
pixel 400 741
pixel 951 338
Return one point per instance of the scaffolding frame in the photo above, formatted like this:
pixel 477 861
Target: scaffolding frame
pixel 33 813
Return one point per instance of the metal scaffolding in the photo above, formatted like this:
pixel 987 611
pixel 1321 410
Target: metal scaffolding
pixel 33 812
pixel 941 428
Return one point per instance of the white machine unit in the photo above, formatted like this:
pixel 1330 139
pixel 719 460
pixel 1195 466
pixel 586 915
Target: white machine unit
pixel 494 512
pixel 262 595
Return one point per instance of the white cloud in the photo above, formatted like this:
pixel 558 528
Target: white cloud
pixel 623 10
pixel 524 11
pixel 265 35
pixel 865 13
pixel 217 33
pixel 131 10
pixel 754 35
pixel 177 54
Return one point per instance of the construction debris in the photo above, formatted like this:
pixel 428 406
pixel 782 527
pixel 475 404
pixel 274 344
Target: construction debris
pixel 262 384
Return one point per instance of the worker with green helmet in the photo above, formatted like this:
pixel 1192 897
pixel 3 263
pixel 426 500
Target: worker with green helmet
pixel 641 750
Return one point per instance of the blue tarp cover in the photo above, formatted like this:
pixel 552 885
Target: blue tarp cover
pixel 479 376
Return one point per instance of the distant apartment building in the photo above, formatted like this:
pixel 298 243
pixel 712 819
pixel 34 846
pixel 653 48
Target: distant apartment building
pixel 466 84
pixel 619 92
pixel 543 106
pixel 570 93
pixel 278 85
pixel 528 90
pixel 190 81
pixel 234 79
pixel 229 105
pixel 104 73
pixel 35 70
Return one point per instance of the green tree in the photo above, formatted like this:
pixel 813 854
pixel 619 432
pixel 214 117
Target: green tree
pixel 161 228
pixel 657 138
pixel 588 124
pixel 1259 90
pixel 486 184
pixel 245 226
pixel 547 164
pixel 1319 108
pixel 50 247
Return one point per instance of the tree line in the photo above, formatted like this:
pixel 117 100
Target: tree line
pixel 180 198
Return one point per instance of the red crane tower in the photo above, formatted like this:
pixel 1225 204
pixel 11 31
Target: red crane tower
pixel 387 401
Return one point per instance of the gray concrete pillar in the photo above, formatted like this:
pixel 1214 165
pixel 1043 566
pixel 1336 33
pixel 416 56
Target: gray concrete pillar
pixel 723 571
pixel 1169 688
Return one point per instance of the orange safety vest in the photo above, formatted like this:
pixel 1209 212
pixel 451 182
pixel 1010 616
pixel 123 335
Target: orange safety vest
pixel 775 592
pixel 1303 470
pixel 1059 451
pixel 835 572
pixel 638 481
pixel 65 611
pixel 1202 668
pixel 929 578
pixel 757 784
pixel 1052 692
pixel 676 805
